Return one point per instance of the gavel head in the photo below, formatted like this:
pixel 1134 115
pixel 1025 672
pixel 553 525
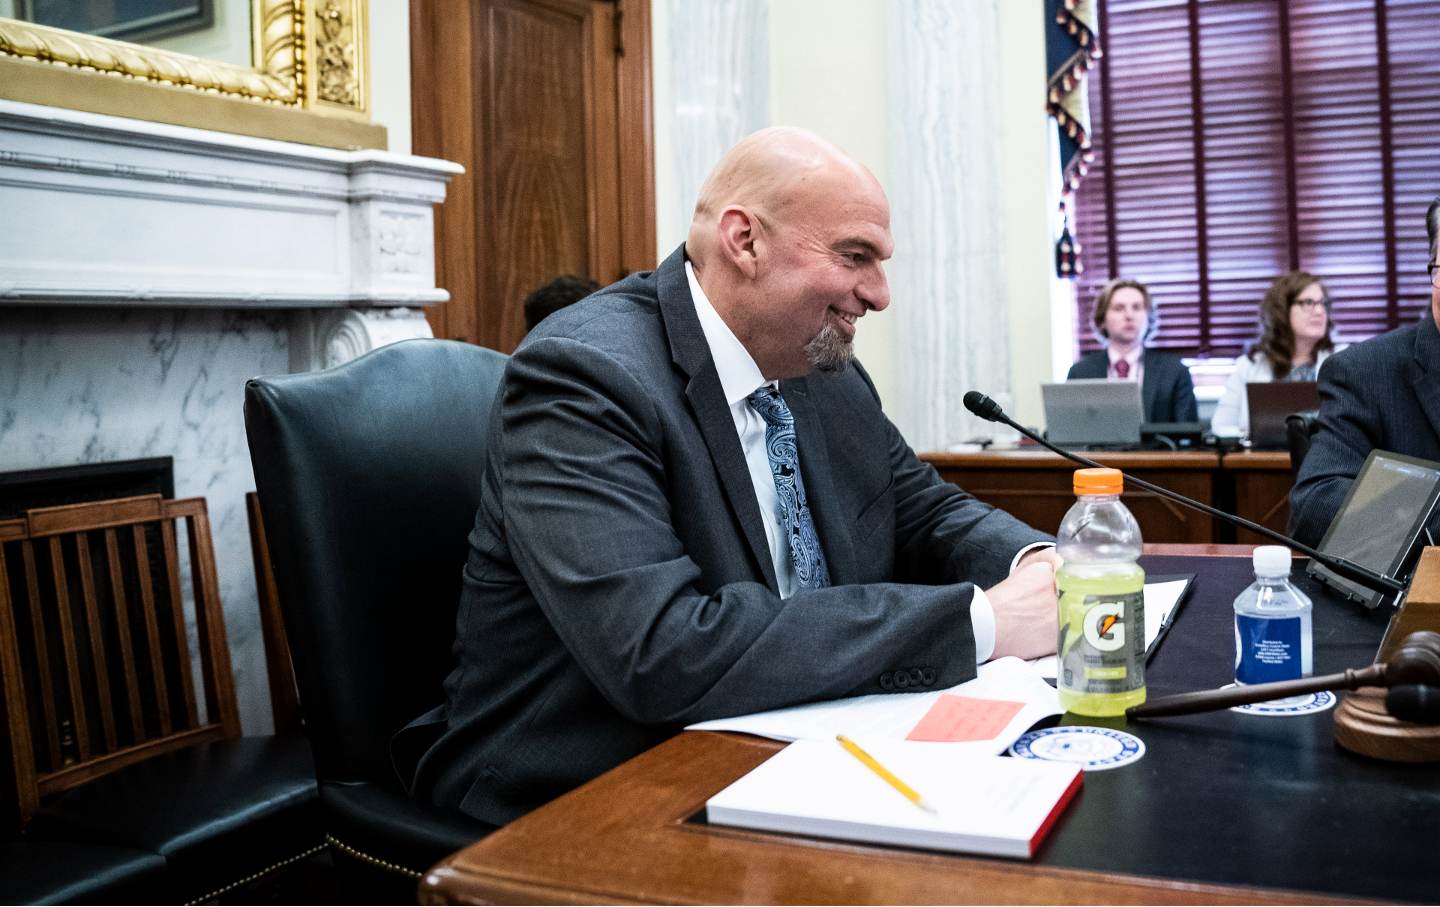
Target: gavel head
pixel 1417 661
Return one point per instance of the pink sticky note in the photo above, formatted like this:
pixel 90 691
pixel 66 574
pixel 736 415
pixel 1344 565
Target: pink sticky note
pixel 955 719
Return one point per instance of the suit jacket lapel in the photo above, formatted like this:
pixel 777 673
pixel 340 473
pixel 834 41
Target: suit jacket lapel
pixel 1427 371
pixel 691 353
pixel 831 525
pixel 1149 385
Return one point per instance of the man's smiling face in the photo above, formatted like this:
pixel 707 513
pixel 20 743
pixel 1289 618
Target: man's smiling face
pixel 824 270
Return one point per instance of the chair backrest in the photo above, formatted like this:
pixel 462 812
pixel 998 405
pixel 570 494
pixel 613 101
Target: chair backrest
pixel 94 640
pixel 279 670
pixel 369 477
pixel 1299 429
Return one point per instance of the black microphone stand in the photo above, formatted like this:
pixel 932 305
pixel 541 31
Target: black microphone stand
pixel 989 410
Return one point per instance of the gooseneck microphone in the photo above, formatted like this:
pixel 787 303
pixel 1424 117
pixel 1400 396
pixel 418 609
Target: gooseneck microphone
pixel 990 411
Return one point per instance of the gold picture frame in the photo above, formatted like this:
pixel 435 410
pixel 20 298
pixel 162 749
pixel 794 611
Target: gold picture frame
pixel 310 81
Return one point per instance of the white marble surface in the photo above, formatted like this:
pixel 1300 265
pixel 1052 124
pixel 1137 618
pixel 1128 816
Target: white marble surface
pixel 718 73
pixel 92 385
pixel 123 211
pixel 947 216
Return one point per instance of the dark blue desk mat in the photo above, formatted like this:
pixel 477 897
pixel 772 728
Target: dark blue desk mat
pixel 1251 800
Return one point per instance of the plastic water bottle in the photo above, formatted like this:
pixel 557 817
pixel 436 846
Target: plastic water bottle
pixel 1273 638
pixel 1102 600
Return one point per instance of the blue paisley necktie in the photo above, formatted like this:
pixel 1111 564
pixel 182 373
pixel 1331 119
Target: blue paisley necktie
pixel 805 553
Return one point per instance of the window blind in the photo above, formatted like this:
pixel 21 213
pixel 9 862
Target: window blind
pixel 1239 139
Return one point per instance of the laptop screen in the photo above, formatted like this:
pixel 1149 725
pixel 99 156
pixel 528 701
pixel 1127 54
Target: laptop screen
pixel 1092 411
pixel 1382 522
pixel 1271 402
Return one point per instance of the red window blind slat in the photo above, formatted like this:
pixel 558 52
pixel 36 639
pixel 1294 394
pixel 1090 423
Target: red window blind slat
pixel 1316 145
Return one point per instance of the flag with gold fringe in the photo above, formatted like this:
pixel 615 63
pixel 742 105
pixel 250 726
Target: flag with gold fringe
pixel 1072 46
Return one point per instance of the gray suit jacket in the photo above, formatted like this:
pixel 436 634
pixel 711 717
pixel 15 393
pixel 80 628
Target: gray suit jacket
pixel 1383 394
pixel 619 584
pixel 1167 392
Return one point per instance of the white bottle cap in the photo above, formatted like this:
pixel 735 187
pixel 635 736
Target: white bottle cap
pixel 1271 560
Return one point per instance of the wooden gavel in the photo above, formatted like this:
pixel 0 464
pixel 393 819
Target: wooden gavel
pixel 1416 661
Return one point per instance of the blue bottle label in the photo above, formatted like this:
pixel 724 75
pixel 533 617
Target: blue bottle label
pixel 1266 648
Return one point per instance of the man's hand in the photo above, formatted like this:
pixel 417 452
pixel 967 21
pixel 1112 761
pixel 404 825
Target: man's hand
pixel 1040 555
pixel 1026 610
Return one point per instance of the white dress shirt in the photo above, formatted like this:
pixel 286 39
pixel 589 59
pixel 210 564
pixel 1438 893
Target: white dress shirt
pixel 739 377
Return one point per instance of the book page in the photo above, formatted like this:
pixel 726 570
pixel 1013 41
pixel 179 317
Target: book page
pixel 893 716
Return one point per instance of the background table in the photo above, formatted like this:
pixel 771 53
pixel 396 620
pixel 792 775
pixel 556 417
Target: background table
pixel 1035 485
pixel 1223 808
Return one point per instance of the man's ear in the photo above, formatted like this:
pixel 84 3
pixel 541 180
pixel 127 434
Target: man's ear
pixel 738 240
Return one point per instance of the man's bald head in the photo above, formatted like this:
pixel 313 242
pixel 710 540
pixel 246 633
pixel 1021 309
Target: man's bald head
pixel 788 244
pixel 773 173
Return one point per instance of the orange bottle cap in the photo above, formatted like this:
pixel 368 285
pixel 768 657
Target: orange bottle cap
pixel 1099 481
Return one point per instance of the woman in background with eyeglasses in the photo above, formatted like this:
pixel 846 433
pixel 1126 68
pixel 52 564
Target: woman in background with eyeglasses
pixel 1294 340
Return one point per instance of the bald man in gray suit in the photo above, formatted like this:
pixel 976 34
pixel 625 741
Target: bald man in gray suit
pixel 695 507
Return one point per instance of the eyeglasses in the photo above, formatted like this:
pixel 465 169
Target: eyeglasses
pixel 1434 275
pixel 1311 305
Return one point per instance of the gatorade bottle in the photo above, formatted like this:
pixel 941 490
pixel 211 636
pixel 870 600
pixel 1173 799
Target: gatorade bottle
pixel 1102 600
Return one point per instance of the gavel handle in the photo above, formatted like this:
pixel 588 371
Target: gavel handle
pixel 1210 700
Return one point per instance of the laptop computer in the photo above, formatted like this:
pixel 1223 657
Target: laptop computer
pixel 1092 412
pixel 1270 402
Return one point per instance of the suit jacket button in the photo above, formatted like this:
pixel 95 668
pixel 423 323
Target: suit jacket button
pixel 927 676
pixel 902 679
pixel 917 676
pixel 886 681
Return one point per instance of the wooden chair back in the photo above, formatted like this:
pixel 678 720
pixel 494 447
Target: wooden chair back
pixel 279 669
pixel 94 642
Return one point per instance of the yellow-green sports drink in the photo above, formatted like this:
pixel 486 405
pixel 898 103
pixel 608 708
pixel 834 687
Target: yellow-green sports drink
pixel 1101 642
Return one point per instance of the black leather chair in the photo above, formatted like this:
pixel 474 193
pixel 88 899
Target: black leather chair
pixel 369 477
pixel 1299 429
pixel 48 872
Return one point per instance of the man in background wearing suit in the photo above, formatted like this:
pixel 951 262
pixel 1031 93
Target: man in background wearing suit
pixel 1125 319
pixel 650 551
pixel 1383 394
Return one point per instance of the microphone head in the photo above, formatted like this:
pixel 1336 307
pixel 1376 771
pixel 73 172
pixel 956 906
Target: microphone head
pixel 1416 703
pixel 983 406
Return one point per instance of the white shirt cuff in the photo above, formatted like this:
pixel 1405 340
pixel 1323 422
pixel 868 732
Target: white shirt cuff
pixel 982 625
pixel 1015 561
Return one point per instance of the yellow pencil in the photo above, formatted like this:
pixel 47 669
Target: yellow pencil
pixel 869 762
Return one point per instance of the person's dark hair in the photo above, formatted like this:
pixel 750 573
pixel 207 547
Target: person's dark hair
pixel 1277 338
pixel 1102 305
pixel 1432 226
pixel 554 296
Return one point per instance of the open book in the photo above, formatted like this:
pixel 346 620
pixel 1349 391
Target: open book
pixel 983 804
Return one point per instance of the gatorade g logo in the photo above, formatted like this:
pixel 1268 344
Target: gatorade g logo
pixel 1105 626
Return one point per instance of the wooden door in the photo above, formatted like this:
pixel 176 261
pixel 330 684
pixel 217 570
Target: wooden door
pixel 546 103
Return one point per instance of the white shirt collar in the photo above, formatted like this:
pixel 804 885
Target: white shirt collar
pixel 739 375
pixel 1132 357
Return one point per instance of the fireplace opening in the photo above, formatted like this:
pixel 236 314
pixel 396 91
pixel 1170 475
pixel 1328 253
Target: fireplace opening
pixel 26 489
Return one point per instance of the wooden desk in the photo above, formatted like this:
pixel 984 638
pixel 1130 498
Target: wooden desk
pixel 627 839
pixel 1260 482
pixel 1036 486
pixel 1283 792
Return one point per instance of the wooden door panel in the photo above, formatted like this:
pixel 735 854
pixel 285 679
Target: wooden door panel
pixel 534 119
pixel 546 104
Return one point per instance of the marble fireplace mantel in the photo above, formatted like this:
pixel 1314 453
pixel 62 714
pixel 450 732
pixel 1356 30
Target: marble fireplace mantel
pixel 100 210
pixel 147 271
